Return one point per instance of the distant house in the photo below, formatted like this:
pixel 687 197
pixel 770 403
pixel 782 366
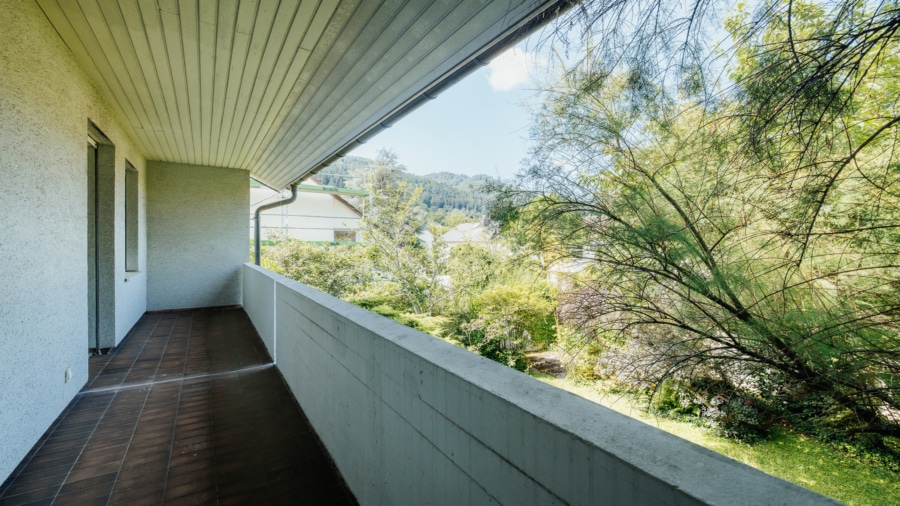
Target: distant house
pixel 316 216
pixel 426 237
pixel 563 273
pixel 480 232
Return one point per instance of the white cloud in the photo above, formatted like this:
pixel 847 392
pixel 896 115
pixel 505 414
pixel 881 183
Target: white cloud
pixel 513 68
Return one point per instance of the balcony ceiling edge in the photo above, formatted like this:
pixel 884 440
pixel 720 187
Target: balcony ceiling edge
pixel 449 73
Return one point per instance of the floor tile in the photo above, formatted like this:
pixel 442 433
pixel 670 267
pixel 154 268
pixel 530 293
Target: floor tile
pixel 170 418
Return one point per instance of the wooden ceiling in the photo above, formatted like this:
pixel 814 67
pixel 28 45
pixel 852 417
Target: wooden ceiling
pixel 277 87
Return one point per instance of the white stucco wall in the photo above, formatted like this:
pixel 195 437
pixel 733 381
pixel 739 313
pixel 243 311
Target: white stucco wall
pixel 131 287
pixel 46 101
pixel 197 235
pixel 131 298
pixel 410 419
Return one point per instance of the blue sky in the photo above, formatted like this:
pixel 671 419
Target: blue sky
pixel 478 126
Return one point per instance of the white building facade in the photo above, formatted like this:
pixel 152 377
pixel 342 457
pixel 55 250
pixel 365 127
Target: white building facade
pixel 315 216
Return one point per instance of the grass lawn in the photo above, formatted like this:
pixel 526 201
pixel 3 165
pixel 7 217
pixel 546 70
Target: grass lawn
pixel 787 455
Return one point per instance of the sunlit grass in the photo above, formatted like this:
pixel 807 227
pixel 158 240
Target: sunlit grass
pixel 793 457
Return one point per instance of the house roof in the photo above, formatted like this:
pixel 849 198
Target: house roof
pixel 311 179
pixel 467 232
pixel 278 88
pixel 341 200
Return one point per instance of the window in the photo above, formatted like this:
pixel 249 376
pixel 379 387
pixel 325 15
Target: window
pixel 131 218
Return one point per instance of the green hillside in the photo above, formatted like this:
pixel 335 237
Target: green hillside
pixel 442 192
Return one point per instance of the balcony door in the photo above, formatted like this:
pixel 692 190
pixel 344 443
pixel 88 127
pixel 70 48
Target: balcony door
pixel 101 242
pixel 92 260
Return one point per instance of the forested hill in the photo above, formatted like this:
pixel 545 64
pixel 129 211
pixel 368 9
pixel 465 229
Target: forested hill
pixel 442 192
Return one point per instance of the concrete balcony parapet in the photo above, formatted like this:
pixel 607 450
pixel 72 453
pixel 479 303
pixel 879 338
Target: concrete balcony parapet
pixel 410 419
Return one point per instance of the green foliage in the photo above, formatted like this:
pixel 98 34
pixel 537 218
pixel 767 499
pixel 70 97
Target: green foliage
pixel 471 295
pixel 579 355
pixel 434 325
pixel 456 218
pixel 383 294
pixel 507 319
pixel 741 244
pixel 338 270
pixel 390 223
pixel 670 397
pixel 471 268
pixel 500 351
pixel 514 314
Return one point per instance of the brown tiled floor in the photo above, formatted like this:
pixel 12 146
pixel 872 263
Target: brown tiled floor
pixel 188 410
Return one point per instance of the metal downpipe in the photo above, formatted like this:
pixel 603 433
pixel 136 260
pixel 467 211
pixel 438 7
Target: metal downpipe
pixel 266 207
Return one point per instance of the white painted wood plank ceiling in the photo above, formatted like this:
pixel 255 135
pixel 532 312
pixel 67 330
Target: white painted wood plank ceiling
pixel 277 87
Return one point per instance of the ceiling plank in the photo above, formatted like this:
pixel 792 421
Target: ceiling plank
pixel 173 52
pixel 189 18
pixel 227 19
pixel 378 85
pixel 208 17
pixel 268 75
pixel 153 27
pixel 109 29
pixel 382 47
pixel 442 43
pixel 251 79
pixel 142 65
pixel 390 53
pixel 323 60
pixel 302 69
pixel 240 46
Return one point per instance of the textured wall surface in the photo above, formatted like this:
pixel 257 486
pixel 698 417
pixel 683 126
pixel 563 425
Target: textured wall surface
pixel 132 301
pixel 46 101
pixel 259 303
pixel 131 287
pixel 410 419
pixel 197 235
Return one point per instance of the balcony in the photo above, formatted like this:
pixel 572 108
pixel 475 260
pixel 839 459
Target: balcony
pixel 130 131
pixel 188 409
